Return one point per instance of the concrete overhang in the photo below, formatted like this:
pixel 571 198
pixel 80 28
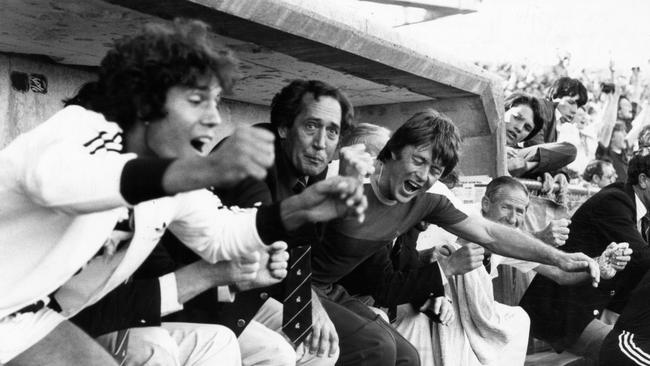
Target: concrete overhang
pixel 276 41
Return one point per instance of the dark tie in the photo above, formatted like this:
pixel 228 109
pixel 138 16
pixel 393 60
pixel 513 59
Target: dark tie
pixel 296 314
pixel 645 227
pixel 300 185
pixel 487 262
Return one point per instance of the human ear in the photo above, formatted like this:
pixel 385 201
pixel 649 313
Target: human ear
pixel 485 204
pixel 282 132
pixel 643 181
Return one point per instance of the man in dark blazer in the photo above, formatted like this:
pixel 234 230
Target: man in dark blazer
pixel 307 117
pixel 579 317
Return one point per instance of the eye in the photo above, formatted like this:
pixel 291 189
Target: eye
pixel 310 126
pixel 195 98
pixel 435 171
pixel 332 133
pixel 418 161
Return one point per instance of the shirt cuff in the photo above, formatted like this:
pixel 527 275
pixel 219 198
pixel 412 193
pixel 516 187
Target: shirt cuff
pixel 269 224
pixel 169 295
pixel 225 294
pixel 443 276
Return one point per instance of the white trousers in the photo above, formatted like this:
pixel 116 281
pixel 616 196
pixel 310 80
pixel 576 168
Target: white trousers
pixel 20 332
pixel 177 344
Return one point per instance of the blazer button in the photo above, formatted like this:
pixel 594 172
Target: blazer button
pixel 264 295
pixel 241 323
pixel 596 312
pixel 612 293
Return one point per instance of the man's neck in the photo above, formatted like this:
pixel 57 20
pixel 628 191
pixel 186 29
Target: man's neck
pixel 375 182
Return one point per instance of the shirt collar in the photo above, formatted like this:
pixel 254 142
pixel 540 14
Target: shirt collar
pixel 380 197
pixel 641 210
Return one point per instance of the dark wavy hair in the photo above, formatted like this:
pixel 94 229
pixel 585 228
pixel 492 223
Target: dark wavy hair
pixel 566 86
pixel 639 164
pixel 428 127
pixel 516 99
pixel 138 70
pixel 288 104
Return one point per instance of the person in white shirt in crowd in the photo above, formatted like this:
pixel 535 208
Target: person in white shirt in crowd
pixel 88 193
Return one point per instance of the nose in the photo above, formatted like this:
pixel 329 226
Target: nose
pixel 211 117
pixel 319 141
pixel 423 173
pixel 512 218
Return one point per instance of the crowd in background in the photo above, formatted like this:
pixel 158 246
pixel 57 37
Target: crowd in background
pixel 605 125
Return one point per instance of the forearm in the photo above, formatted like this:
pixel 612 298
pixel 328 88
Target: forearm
pixel 562 277
pixel 184 175
pixel 608 119
pixel 517 244
pixel 292 214
pixel 639 122
pixel 197 278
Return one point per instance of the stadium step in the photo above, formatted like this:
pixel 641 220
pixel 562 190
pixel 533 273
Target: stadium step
pixel 551 358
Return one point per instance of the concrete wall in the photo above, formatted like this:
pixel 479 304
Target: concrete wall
pixel 479 150
pixel 21 110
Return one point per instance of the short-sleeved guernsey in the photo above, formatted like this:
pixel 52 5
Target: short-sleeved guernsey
pixel 346 243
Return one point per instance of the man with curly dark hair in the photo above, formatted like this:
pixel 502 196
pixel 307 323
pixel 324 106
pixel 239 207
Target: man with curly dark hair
pixel 88 194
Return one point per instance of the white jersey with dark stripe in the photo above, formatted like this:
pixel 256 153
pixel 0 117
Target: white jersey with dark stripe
pixel 61 200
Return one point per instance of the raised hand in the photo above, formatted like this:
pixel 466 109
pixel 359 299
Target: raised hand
pixel 324 201
pixel 614 259
pixel 272 267
pixel 248 152
pixel 356 162
pixel 244 268
pixel 555 233
pixel 467 258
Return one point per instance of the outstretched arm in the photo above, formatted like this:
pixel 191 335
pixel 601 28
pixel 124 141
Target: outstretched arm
pixel 613 259
pixel 514 243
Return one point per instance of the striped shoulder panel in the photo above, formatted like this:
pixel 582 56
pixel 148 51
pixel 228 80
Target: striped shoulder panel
pixel 104 141
pixel 631 350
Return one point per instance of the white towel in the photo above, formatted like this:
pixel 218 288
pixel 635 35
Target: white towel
pixel 484 331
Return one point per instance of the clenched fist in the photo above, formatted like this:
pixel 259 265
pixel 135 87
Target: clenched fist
pixel 248 152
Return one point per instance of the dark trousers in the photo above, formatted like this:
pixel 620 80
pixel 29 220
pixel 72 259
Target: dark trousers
pixel 364 337
pixel 624 349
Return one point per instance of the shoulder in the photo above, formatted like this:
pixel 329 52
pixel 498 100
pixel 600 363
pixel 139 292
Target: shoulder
pixel 84 126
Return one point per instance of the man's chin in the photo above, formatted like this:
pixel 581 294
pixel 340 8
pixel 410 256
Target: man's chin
pixel 404 197
pixel 313 170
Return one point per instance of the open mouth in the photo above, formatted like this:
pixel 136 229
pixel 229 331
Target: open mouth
pixel 199 143
pixel 411 187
